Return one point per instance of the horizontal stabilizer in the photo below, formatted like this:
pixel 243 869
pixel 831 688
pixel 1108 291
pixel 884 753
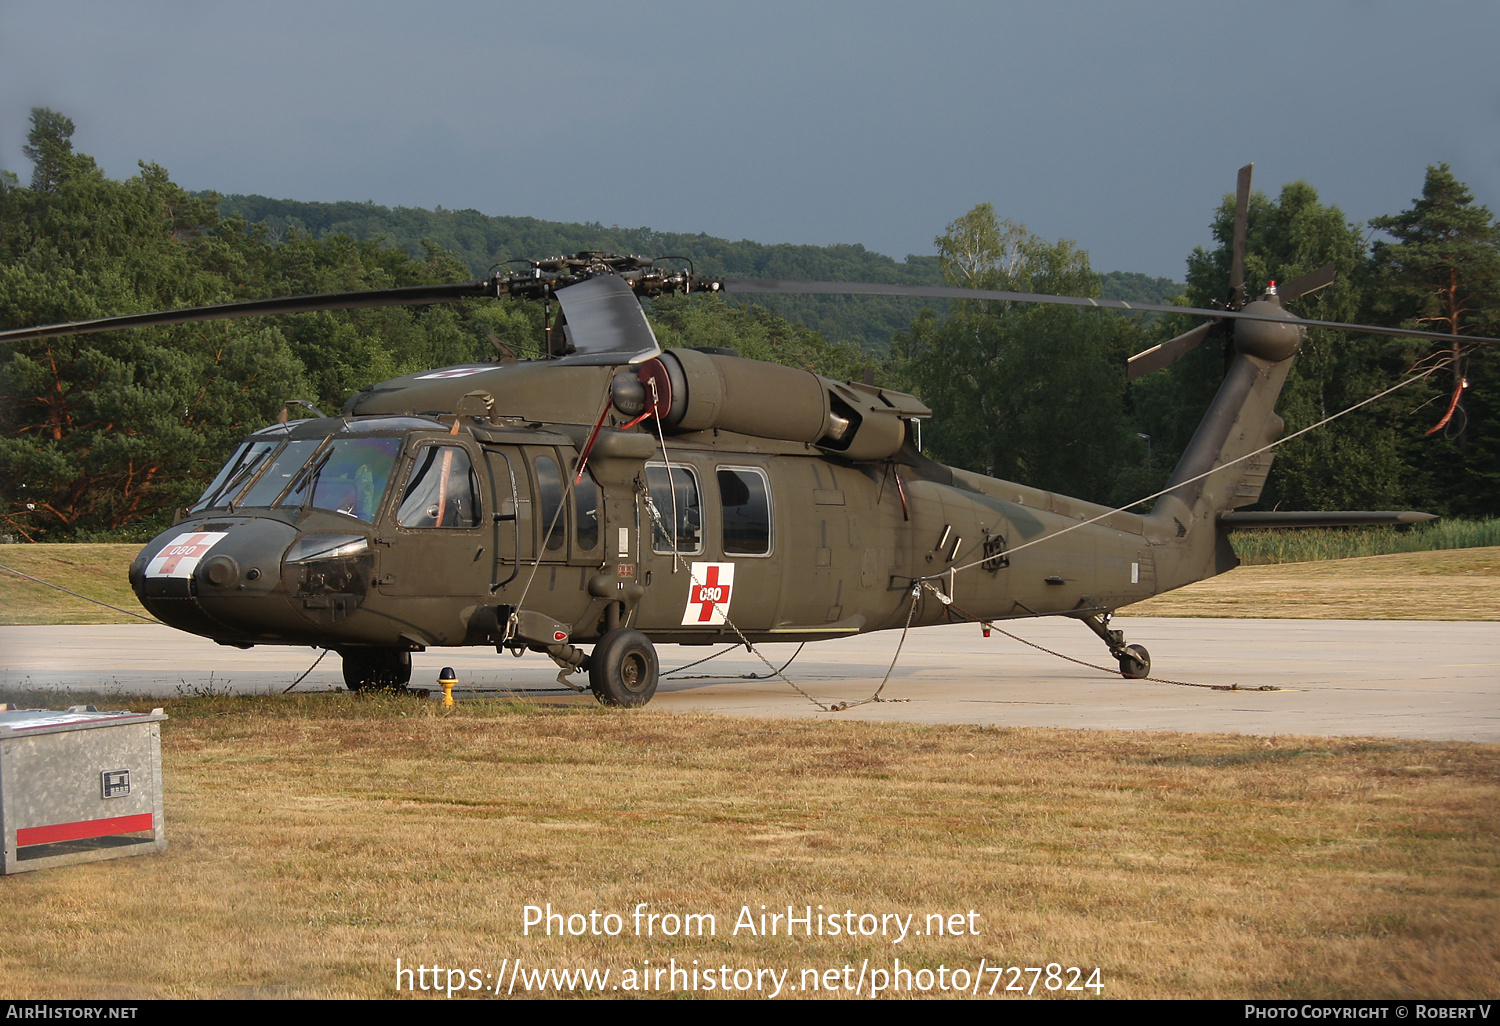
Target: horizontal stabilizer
pixel 1328 518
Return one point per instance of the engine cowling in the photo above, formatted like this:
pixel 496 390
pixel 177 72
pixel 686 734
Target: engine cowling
pixel 699 391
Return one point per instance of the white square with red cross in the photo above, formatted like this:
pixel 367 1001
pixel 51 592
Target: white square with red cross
pixel 708 594
pixel 181 554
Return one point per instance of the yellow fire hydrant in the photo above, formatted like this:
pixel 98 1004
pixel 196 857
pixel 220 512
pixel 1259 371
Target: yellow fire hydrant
pixel 447 679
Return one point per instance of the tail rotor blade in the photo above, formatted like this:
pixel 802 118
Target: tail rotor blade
pixel 1309 283
pixel 1237 260
pixel 1169 352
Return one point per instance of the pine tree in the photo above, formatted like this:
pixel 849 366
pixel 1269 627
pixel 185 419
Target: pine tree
pixel 49 147
pixel 1442 273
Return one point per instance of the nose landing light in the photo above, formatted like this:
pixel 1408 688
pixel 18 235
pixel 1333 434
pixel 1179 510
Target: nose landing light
pixel 221 571
pixel 328 575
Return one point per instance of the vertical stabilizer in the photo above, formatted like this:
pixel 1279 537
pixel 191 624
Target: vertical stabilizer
pixel 1241 419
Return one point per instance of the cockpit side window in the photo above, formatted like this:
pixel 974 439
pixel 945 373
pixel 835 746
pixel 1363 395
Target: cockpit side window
pixel 441 490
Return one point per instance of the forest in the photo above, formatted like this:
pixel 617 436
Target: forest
pixel 105 436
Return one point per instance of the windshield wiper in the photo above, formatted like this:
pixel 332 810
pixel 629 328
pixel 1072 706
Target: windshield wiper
pixel 234 484
pixel 309 470
pixel 307 477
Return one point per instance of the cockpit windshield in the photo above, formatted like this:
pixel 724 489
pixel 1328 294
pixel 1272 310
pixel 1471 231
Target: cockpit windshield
pixel 345 475
pixel 278 473
pixel 348 477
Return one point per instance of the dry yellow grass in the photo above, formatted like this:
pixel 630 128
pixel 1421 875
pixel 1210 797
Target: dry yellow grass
pixel 1449 584
pixel 98 571
pixel 316 839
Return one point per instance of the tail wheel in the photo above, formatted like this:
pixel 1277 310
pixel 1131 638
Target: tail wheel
pixel 623 669
pixel 376 669
pixel 1135 662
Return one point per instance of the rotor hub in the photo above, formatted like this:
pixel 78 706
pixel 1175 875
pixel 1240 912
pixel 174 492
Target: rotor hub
pixel 1269 340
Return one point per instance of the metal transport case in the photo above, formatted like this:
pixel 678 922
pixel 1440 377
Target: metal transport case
pixel 78 786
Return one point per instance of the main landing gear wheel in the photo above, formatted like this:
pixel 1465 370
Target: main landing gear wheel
pixel 623 669
pixel 1135 662
pixel 376 669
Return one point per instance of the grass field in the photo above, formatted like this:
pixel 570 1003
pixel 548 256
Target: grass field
pixel 98 571
pixel 1448 584
pixel 316 839
pixel 1309 544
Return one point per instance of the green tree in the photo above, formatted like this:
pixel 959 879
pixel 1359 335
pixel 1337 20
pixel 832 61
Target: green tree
pixel 344 350
pixel 1026 392
pixel 101 431
pixel 754 333
pixel 1441 272
pixel 49 147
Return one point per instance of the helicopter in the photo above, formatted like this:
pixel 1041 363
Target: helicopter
pixel 616 495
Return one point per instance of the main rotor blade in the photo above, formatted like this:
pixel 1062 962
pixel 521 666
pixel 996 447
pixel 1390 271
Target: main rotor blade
pixel 411 295
pixel 851 288
pixel 1168 353
pixel 420 295
pixel 1309 283
pixel 606 325
pixel 1237 254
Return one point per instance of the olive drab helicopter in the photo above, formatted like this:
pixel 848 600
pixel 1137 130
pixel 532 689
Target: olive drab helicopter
pixel 616 495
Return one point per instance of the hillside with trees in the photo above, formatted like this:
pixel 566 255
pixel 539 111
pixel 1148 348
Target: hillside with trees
pixel 482 241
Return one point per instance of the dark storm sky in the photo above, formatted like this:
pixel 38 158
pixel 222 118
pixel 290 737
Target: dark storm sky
pixel 1118 125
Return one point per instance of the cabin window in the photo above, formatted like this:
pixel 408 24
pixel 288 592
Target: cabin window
pixel 745 493
pixel 280 473
pixel 586 512
pixel 675 509
pixel 550 492
pixel 441 490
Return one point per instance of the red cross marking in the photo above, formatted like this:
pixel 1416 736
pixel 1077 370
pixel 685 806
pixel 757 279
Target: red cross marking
pixel 709 594
pixel 196 545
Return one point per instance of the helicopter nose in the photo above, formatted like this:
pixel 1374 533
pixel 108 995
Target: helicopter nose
pixel 218 579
